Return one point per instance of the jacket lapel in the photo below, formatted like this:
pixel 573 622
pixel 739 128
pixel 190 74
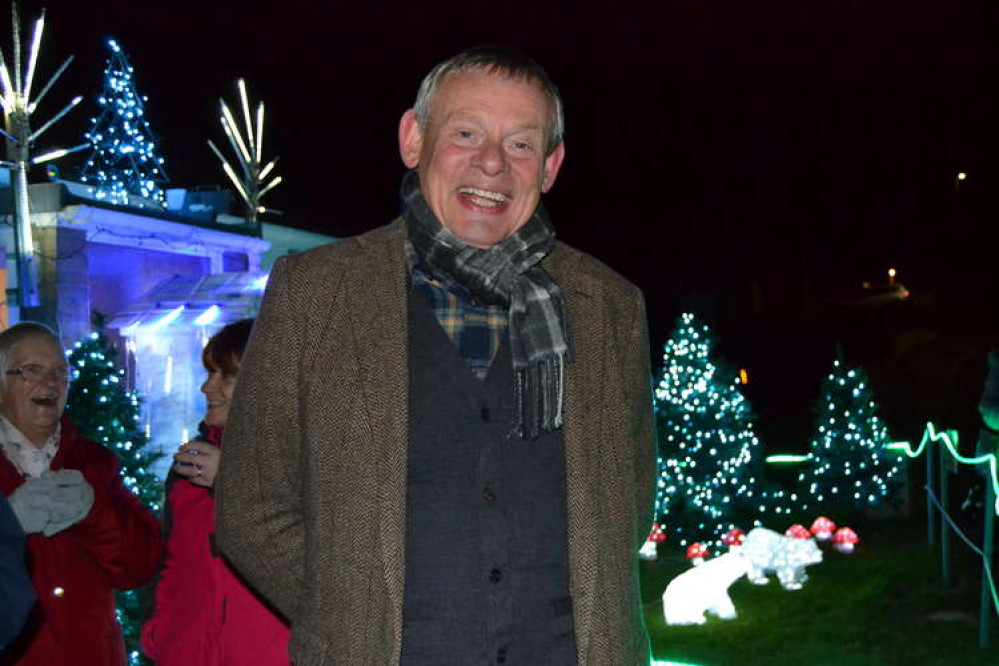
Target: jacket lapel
pixel 582 437
pixel 377 306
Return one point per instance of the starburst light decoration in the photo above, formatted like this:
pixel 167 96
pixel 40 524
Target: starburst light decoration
pixel 252 185
pixel 19 107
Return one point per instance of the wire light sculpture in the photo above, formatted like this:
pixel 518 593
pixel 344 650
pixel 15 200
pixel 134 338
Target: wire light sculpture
pixel 251 184
pixel 19 107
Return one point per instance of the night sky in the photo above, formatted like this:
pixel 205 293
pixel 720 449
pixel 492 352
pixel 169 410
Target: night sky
pixel 757 163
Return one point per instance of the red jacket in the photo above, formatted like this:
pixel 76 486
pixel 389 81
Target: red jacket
pixel 205 615
pixel 75 572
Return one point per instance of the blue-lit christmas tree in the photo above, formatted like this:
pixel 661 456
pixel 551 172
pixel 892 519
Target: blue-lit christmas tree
pixel 106 411
pixel 849 464
pixel 710 458
pixel 125 160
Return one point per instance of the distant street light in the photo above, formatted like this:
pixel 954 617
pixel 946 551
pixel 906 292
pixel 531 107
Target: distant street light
pixel 891 276
pixel 960 178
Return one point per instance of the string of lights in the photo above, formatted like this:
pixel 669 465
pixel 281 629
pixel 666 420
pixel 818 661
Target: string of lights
pixel 125 162
pixel 705 424
pixel 107 411
pixel 848 461
pixel 931 435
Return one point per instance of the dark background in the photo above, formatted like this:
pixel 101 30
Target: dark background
pixel 755 162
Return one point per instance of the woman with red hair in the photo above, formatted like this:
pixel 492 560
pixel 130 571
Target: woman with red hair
pixel 205 615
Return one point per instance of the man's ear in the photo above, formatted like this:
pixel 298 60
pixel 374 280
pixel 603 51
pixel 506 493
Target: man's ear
pixel 410 139
pixel 552 165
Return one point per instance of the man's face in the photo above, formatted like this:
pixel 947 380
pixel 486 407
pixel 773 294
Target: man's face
pixel 482 155
pixel 34 405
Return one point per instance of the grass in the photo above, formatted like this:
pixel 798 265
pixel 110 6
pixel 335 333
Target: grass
pixel 869 608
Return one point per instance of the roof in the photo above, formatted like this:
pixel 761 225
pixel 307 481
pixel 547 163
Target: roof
pixel 189 301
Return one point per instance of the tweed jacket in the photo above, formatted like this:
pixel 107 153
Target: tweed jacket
pixel 311 497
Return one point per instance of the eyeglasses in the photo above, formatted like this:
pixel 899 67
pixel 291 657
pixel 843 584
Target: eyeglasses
pixel 35 374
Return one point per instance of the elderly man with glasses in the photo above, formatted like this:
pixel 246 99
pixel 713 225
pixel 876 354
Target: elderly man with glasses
pixel 87 534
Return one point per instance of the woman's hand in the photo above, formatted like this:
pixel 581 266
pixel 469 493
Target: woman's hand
pixel 198 461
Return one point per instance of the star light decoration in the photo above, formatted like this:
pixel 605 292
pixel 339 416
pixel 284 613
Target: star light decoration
pixel 249 152
pixel 19 107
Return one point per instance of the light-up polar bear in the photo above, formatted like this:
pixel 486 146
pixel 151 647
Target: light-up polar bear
pixel 702 589
pixel 767 551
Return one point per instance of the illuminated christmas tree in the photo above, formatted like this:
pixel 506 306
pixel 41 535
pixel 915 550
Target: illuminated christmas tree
pixel 106 411
pixel 710 456
pixel 124 160
pixel 849 463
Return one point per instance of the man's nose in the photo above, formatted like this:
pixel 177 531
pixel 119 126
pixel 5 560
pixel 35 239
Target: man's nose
pixel 491 158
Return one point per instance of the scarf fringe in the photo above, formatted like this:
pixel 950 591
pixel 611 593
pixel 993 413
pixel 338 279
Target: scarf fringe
pixel 539 390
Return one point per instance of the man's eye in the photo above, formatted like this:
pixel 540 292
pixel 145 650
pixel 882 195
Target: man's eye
pixel 522 146
pixel 464 134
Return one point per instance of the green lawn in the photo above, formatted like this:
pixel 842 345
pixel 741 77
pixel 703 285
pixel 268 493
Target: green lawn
pixel 870 608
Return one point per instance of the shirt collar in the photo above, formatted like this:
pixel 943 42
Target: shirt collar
pixel 30 460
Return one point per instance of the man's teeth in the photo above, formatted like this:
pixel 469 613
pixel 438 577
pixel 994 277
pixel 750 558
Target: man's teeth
pixel 484 198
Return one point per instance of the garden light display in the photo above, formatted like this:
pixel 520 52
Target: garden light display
pixel 823 528
pixel 696 552
pixel 648 550
pixel 798 532
pixel 767 551
pixel 734 538
pixel 706 425
pixel 844 540
pixel 703 589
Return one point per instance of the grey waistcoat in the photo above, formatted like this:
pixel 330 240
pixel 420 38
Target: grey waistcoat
pixel 486 558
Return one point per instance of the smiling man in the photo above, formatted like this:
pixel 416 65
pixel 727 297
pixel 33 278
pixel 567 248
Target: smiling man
pixel 88 535
pixel 445 439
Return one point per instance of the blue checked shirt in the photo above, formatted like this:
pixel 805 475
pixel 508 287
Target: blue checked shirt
pixel 475 328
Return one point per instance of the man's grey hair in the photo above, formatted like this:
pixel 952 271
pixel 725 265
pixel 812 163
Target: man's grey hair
pixel 17 334
pixel 501 60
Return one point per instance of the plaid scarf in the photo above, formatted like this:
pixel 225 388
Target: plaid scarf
pixel 508 273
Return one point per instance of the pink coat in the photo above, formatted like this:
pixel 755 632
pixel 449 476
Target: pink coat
pixel 75 572
pixel 204 614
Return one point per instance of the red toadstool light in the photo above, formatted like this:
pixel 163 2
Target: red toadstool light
pixel 823 528
pixel 798 532
pixel 844 540
pixel 734 538
pixel 657 535
pixel 696 552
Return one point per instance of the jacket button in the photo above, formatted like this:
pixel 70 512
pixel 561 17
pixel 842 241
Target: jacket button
pixel 495 576
pixel 485 413
pixel 488 495
pixel 501 656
